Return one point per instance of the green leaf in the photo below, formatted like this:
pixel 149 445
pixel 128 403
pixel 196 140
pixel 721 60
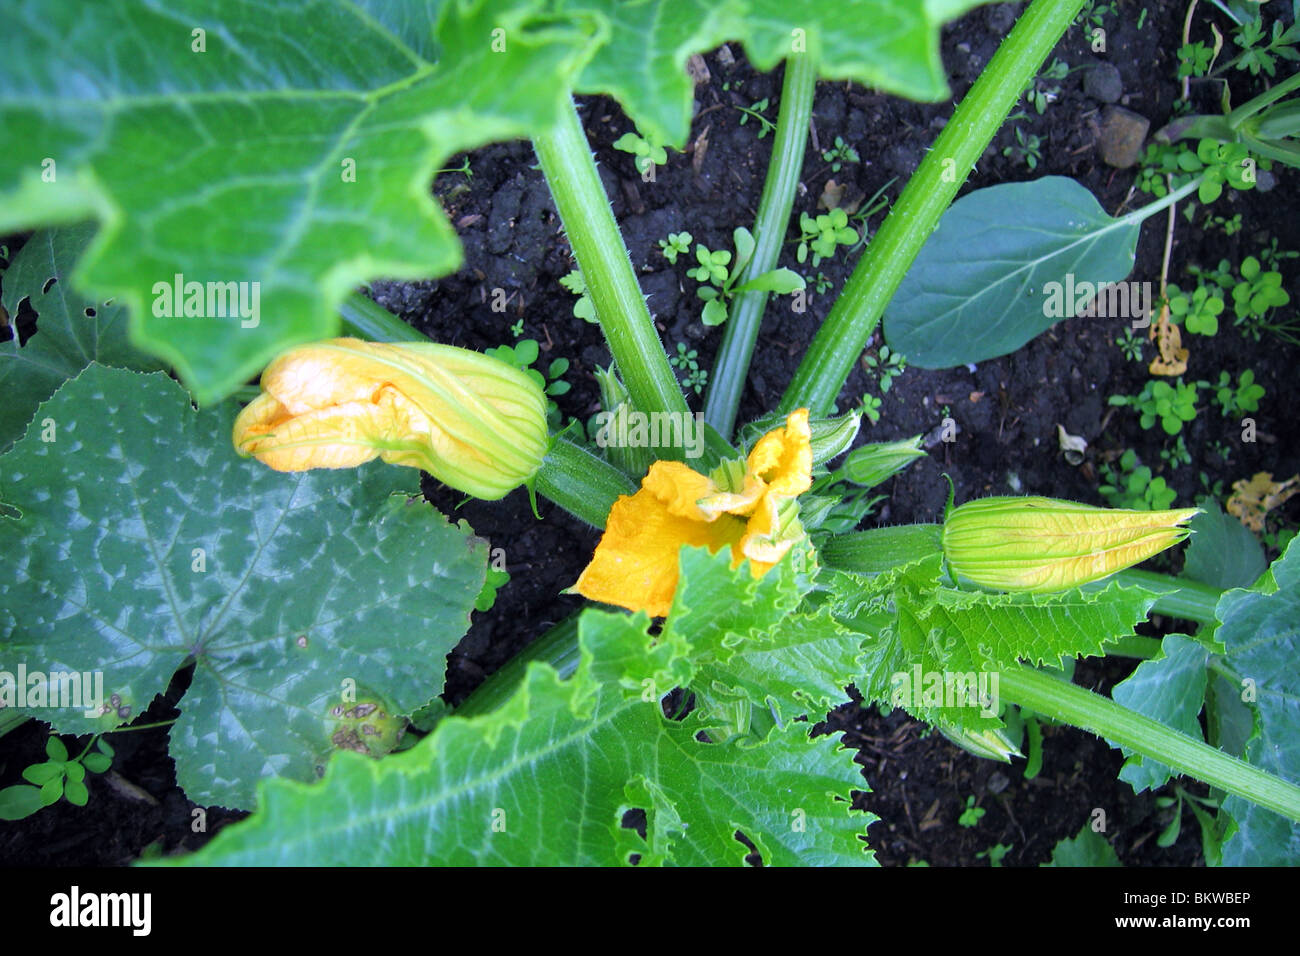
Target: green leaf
pixel 281 587
pixel 97 763
pixel 76 792
pixel 1170 689
pixel 780 281
pixel 1089 848
pixel 889 46
pixel 1260 632
pixel 548 778
pixel 55 750
pixel 42 773
pixel 994 274
pixel 1222 552
pixel 20 801
pixel 715 312
pixel 292 153
pixel 893 47
pixel 752 642
pixel 922 636
pixel 71 332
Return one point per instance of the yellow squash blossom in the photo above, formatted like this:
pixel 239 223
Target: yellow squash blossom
pixel 472 421
pixel 751 511
pixel 1046 544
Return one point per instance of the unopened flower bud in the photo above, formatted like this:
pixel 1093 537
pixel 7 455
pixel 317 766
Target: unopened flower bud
pixel 1046 544
pixel 472 421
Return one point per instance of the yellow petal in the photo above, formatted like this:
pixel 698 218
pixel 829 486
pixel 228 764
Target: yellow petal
pixel 679 488
pixel 783 457
pixel 635 564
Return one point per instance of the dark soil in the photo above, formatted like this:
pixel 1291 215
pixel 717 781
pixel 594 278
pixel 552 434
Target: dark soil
pixel 1007 410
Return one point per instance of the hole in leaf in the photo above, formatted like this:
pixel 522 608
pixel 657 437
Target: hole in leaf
pixel 90 312
pixel 49 284
pixel 753 857
pixel 678 703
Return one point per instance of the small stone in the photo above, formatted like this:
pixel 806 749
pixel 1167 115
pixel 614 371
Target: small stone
pixel 1001 17
pixel 997 782
pixel 1122 135
pixel 1264 180
pixel 1103 83
pixel 698 70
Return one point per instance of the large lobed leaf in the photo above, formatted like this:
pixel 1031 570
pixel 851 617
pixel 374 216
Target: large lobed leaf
pixel 72 331
pixel 917 626
pixel 288 145
pixel 144 541
pixel 232 164
pixel 549 778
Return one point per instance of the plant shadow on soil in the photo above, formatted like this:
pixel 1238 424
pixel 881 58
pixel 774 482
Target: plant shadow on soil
pixel 1007 411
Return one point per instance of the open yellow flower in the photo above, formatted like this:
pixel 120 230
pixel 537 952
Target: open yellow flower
pixel 472 421
pixel 751 511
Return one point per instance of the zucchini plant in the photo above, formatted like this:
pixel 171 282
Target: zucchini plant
pixel 238 208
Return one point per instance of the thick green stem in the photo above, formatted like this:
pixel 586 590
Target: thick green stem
pixel 580 483
pixel 606 267
pixel 844 334
pixel 1183 598
pixel 731 368
pixel 557 647
pixel 367 320
pixel 1047 695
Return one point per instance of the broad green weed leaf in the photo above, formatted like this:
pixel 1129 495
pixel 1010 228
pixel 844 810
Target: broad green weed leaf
pixel 71 330
pixel 1222 552
pixel 284 147
pixel 1089 848
pixel 1170 689
pixel 980 287
pixel 1261 632
pixel 548 778
pixel 144 541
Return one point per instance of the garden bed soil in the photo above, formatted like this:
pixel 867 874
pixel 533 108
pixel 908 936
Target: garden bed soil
pixel 1007 410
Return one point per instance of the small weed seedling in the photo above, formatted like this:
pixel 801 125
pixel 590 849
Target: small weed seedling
pixel 840 154
pixel 1130 345
pixel 756 110
pixel 971 816
pixel 823 235
pixel 522 355
pixel 584 308
pixel 720 272
pixel 695 378
pixel 886 366
pixel 59 776
pixel 1177 456
pixel 1170 405
pixel 1132 487
pixel 1027 149
pixel 677 244
pixel 1255 296
pixel 1044 89
pixel 647 153
pixel 1240 400
pixel 995 853
pixel 1199 311
pixel 1230 227
pixel 1259 52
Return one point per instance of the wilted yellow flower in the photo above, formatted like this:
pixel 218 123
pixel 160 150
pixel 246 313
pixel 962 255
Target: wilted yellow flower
pixel 749 509
pixel 1046 544
pixel 472 421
